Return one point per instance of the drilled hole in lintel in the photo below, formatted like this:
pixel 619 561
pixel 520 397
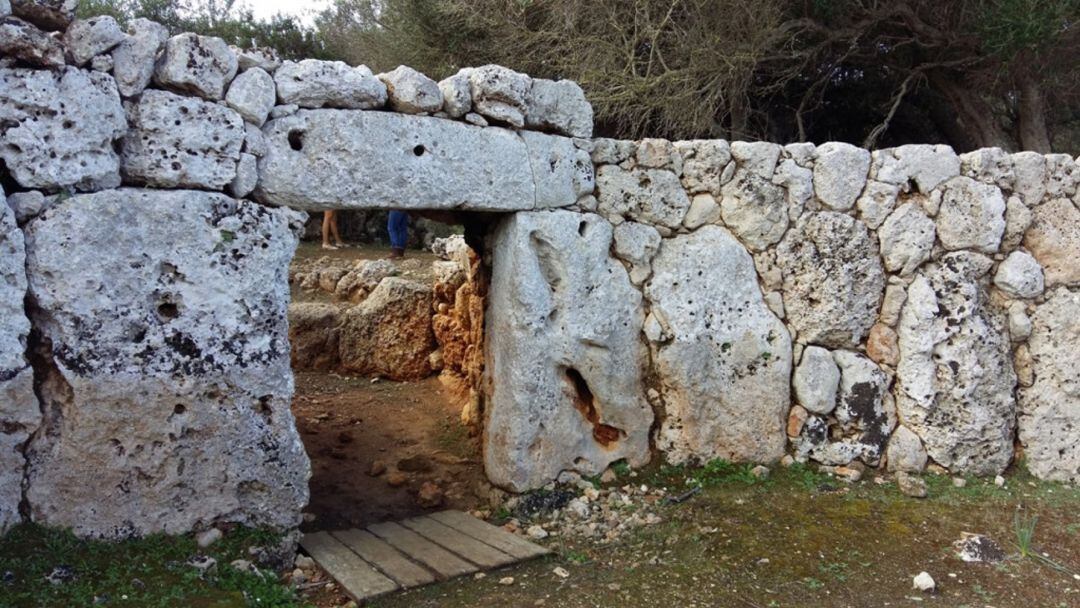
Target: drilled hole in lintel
pixel 296 140
pixel 168 311
pixel 419 150
pixel 583 228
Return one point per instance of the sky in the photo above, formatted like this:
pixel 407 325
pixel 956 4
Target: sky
pixel 300 8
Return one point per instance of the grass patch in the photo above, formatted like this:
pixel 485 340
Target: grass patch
pixel 150 572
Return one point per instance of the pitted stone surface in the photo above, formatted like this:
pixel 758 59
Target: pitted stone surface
pixel 197 65
pixel 906 238
pixel 703 162
pixel 1054 239
pixel 20 413
pixel 78 112
pixel 411 92
pixel 86 38
pixel 252 94
pixel 178 141
pixel 636 244
pixel 1020 276
pixel 133 60
pixel 972 216
pixel 724 374
pixel 924 165
pixel 955 378
pixel 754 208
pixel 328 84
pixel 499 93
pixel 389 333
pixel 905 452
pixel 457 96
pixel 559 106
pixel 319 159
pixel 833 279
pixel 564 353
pixel 22 41
pixel 651 196
pixel 171 385
pixel 1050 409
pixel 562 172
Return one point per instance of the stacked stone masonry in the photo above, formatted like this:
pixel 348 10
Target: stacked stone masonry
pixel 685 300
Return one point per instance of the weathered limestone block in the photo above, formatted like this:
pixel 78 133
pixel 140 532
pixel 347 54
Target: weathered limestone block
pixel 839 174
pixel 754 208
pixel 86 38
pixel 906 238
pixel 1020 276
pixel 102 63
pixel 411 92
pixel 500 93
pixel 972 216
pixel 1018 219
pixel 559 106
pixel 636 244
pixel 252 94
pixel 170 385
pixel 703 210
pixel 905 452
pixel 46 14
pixel 178 141
pixel 564 353
pixel 133 59
pixel 798 181
pixel 198 65
pixel 314 328
pixel 876 203
pixel 389 333
pixel 562 172
pixel 703 162
pixel 247 176
pixel 1054 239
pixel 320 159
pixel 651 196
pixel 457 96
pixel 955 378
pixel 312 83
pixel 1029 171
pixel 925 166
pixel 264 58
pixel 5 8
pixel 990 166
pixel 26 43
pixel 816 380
pixel 833 279
pixel 865 410
pixel 20 413
pixel 1050 409
pixel 1062 176
pixel 724 373
pixel 77 112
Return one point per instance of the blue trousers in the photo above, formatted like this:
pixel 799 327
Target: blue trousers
pixel 398 227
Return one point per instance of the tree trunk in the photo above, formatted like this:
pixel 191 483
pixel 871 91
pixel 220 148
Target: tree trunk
pixel 972 113
pixel 1032 131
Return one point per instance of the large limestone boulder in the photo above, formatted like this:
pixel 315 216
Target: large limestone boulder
pixel 725 362
pixel 77 112
pixel 955 378
pixel 252 94
pixel 87 38
pixel 178 141
pixel 833 279
pixel 169 383
pixel 565 360
pixel 312 83
pixel 1054 239
pixel 133 59
pixel 650 196
pixel 22 41
pixel 46 14
pixel 499 93
pixel 411 92
pixel 1050 408
pixel 20 413
pixel 320 159
pixel 972 216
pixel 754 208
pixel 925 166
pixel 389 333
pixel 703 162
pixel 197 65
pixel 559 106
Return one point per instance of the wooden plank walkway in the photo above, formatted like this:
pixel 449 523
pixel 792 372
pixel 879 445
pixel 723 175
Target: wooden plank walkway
pixel 391 556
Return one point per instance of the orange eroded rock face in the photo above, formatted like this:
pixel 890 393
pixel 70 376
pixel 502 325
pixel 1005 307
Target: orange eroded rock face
pixel 458 324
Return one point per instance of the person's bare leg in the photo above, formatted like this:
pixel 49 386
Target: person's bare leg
pixel 329 222
pixel 334 231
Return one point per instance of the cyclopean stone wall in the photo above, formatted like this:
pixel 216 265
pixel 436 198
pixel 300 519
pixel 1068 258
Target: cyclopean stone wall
pixel 683 300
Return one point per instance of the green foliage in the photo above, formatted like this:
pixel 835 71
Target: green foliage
pixel 1010 27
pixel 150 572
pixel 721 472
pixel 1024 527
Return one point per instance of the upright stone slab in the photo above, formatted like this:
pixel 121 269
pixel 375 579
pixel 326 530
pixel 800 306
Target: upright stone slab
pixel 19 410
pixel 319 159
pixel 955 378
pixel 59 128
pixel 564 355
pixel 725 362
pixel 167 404
pixel 1050 408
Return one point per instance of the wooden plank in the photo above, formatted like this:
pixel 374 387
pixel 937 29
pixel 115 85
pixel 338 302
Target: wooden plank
pixel 462 544
pixel 387 559
pixel 502 540
pixel 356 576
pixel 443 562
